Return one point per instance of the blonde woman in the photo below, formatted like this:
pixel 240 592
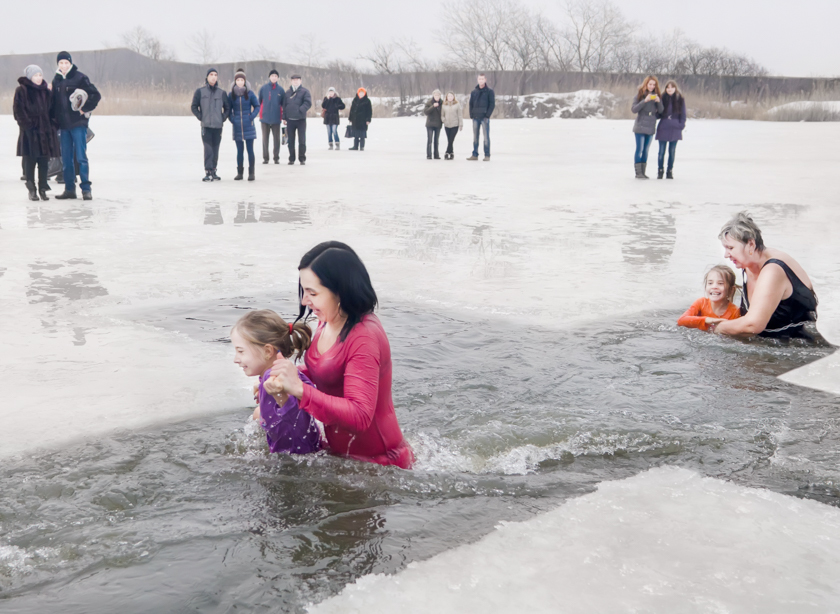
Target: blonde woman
pixel 433 124
pixel 452 115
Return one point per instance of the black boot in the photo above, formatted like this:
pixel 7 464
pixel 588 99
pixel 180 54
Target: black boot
pixel 660 174
pixel 670 174
pixel 251 173
pixel 33 195
pixel 239 171
pixel 66 195
pixel 43 194
pixel 208 176
pixel 215 176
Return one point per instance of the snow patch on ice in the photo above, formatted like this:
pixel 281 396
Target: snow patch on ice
pixel 667 540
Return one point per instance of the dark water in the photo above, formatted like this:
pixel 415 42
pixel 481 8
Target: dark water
pixel 507 421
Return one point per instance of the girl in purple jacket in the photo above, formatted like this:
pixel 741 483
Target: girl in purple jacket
pixel 258 337
pixel 671 125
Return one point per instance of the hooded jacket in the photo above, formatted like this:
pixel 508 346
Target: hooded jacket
pixel 32 110
pixel 63 87
pixel 297 103
pixel 272 96
pixel 243 111
pixel 210 104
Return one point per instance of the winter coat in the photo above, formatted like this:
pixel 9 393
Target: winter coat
pixel 272 97
pixel 297 103
pixel 243 111
pixel 32 108
pixel 333 106
pixel 671 123
pixel 452 115
pixel 646 111
pixel 482 102
pixel 433 113
pixel 63 87
pixel 211 105
pixel 361 112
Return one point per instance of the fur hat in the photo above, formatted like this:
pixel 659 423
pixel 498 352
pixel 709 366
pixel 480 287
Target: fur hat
pixel 32 70
pixel 273 72
pixel 240 74
pixel 64 55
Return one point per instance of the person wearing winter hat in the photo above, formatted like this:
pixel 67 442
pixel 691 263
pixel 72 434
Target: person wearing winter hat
pixel 298 102
pixel 272 96
pixel 331 106
pixel 361 112
pixel 211 107
pixel 73 122
pixel 244 108
pixel 38 139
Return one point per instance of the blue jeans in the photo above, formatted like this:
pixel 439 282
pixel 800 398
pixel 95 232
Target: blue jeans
pixel 478 124
pixel 74 146
pixel 332 132
pixel 642 146
pixel 672 150
pixel 240 153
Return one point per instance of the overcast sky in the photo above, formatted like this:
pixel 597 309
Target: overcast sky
pixel 789 38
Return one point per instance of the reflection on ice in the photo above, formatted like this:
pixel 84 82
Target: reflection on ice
pixel 60 215
pixel 213 214
pixel 74 284
pixel 652 237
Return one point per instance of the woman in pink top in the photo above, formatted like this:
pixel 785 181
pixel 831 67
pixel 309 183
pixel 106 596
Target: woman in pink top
pixel 349 360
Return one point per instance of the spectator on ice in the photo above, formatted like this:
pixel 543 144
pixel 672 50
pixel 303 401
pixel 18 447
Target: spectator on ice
pixel 298 102
pixel 482 104
pixel 453 121
pixel 211 106
pixel 38 139
pixel 271 98
pixel 330 108
pixel 361 112
pixel 244 108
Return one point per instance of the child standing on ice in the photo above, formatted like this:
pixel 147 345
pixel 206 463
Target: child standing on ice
pixel 717 305
pixel 258 337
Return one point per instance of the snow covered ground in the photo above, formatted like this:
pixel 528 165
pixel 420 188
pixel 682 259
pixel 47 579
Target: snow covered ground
pixel 554 231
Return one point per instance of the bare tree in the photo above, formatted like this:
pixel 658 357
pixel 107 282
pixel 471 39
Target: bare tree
pixel 309 50
pixel 553 50
pixel 597 32
pixel 383 57
pixel 205 47
pixel 145 43
pixel 410 56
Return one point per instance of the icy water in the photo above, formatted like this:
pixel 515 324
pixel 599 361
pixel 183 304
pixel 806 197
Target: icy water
pixel 507 420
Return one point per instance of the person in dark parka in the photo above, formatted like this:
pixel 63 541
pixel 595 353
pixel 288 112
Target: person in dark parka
pixel 272 96
pixel 671 126
pixel 244 108
pixel 69 82
pixel 210 104
pixel 361 113
pixel 332 105
pixel 433 124
pixel 647 105
pixel 298 102
pixel 38 139
pixel 482 105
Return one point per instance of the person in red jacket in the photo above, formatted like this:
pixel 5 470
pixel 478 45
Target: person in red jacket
pixel 349 360
pixel 717 305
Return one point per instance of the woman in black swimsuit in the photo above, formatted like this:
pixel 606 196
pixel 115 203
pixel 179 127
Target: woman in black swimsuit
pixel 778 298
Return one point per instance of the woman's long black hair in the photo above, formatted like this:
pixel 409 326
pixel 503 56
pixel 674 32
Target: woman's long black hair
pixel 342 272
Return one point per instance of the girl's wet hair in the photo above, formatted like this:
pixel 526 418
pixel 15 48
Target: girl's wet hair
pixel 729 279
pixel 743 229
pixel 265 327
pixel 342 272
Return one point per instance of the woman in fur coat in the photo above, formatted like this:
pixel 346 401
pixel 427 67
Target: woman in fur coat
pixel 38 140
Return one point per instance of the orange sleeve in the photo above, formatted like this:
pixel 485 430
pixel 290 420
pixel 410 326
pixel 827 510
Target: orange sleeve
pixel 692 318
pixel 733 312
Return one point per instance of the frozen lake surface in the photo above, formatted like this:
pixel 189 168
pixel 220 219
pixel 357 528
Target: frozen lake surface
pixel 531 304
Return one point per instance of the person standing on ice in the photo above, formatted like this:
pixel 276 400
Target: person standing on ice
pixel 211 106
pixel 38 139
pixel 330 108
pixel 482 104
pixel 271 98
pixel 452 116
pixel 72 119
pixel 671 126
pixel 433 124
pixel 361 112
pixel 647 106
pixel 298 102
pixel 244 108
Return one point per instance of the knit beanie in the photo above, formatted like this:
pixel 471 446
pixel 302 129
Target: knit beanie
pixel 240 73
pixel 273 72
pixel 211 70
pixel 32 70
pixel 332 89
pixel 64 55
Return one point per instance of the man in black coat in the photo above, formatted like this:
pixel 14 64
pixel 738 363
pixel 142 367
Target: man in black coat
pixel 298 102
pixel 69 84
pixel 211 106
pixel 482 103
